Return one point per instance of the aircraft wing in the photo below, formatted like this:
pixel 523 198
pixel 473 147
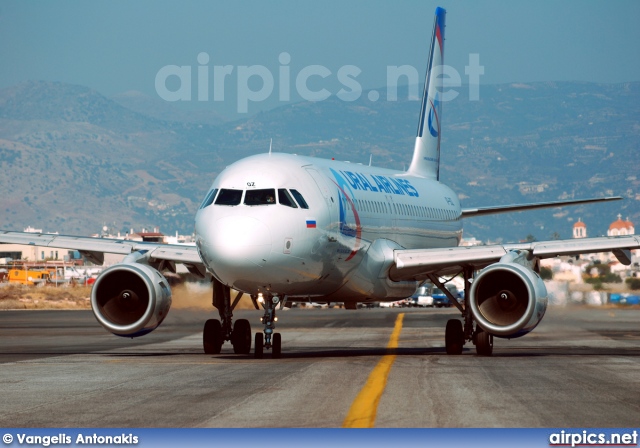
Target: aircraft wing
pixel 481 211
pixel 417 263
pixel 94 248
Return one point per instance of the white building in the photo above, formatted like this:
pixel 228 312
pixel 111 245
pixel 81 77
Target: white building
pixel 579 229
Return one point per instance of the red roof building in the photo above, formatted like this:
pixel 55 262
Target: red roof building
pixel 621 227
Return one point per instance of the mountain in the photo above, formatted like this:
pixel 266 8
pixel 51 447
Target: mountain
pixel 164 110
pixel 75 160
pixel 68 148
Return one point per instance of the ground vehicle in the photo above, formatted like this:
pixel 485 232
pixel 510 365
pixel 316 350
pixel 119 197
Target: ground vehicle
pixel 440 299
pixel 421 297
pixel 424 297
pixel 624 299
pixel 27 276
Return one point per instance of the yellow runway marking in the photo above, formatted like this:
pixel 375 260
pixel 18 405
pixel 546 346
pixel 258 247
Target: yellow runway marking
pixel 365 407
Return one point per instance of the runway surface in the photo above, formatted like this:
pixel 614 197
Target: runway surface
pixel 579 368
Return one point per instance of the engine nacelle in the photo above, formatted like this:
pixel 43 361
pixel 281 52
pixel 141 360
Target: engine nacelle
pixel 508 300
pixel 130 299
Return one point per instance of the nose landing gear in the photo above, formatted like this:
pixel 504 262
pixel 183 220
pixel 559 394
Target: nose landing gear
pixel 270 339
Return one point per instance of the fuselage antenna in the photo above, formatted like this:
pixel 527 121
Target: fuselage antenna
pixel 370 159
pixel 270 143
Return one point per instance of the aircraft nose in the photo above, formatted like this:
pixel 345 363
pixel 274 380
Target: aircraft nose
pixel 238 242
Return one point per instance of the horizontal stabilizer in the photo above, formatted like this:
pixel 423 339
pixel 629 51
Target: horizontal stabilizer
pixel 481 211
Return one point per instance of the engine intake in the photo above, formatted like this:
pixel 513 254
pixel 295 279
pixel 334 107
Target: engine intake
pixel 508 300
pixel 130 299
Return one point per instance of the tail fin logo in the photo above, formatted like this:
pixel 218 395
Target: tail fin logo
pixel 433 113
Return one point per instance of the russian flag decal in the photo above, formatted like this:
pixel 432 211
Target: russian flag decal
pixel 311 223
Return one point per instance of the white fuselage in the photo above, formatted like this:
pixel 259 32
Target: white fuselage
pixel 338 248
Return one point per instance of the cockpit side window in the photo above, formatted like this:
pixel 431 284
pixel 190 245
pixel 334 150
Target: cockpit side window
pixel 260 197
pixel 285 198
pixel 208 199
pixel 301 202
pixel 229 197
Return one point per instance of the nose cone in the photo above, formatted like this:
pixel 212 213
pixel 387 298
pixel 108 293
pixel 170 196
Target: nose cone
pixel 236 246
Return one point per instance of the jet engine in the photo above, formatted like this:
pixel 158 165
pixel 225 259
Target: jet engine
pixel 130 299
pixel 508 299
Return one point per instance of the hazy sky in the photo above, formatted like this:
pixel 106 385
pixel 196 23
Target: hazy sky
pixel 115 46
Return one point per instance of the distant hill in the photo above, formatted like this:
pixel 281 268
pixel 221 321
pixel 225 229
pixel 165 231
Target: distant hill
pixel 164 110
pixel 76 159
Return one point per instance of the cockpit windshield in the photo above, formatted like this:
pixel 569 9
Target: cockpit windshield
pixel 260 197
pixel 264 196
pixel 209 198
pixel 229 197
pixel 284 198
pixel 296 194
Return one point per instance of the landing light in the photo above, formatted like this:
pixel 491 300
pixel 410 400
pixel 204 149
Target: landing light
pixel 275 319
pixel 260 298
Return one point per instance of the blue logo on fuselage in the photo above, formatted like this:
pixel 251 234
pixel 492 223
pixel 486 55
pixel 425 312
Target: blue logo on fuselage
pixel 377 183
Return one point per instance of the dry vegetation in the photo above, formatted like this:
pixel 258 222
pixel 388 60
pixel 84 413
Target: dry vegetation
pixel 22 297
pixel 199 296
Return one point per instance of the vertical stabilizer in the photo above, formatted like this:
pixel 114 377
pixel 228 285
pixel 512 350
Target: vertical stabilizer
pixel 426 154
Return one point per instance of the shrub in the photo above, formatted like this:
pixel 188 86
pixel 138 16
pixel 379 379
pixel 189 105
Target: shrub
pixel 546 273
pixel 634 283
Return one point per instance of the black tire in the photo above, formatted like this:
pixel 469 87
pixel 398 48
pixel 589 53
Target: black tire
pixel 212 337
pixel 454 337
pixel 241 337
pixel 484 343
pixel 258 347
pixel 276 345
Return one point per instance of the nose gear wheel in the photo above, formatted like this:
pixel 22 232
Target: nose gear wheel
pixel 270 339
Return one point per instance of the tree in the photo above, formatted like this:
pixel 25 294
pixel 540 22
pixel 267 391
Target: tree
pixel 634 283
pixel 546 273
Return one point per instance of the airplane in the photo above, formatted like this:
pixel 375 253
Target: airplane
pixel 283 227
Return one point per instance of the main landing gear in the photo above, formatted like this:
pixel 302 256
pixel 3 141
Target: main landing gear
pixel 456 334
pixel 270 339
pixel 216 332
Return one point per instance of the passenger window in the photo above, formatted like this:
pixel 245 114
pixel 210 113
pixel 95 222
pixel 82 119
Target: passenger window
pixel 301 202
pixel 229 197
pixel 208 199
pixel 260 197
pixel 285 198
